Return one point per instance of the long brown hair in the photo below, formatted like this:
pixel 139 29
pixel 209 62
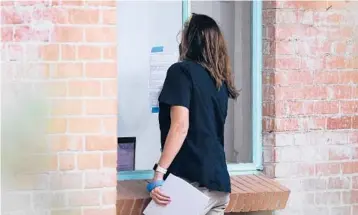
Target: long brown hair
pixel 203 42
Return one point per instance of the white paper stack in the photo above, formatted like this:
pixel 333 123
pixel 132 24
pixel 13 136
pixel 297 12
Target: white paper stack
pixel 185 199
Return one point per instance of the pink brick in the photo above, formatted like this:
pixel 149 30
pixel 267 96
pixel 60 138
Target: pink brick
pixel 109 196
pixel 313 48
pixel 268 155
pixel 288 63
pixel 350 197
pixel 6 3
pixel 298 200
pixel 28 33
pixel 286 16
pixel 287 124
pixel 305 17
pixel 84 198
pixel 100 179
pixel 328 138
pixel 355 153
pixel 16 202
pixel 315 210
pixel 340 182
pixel 283 170
pixel 268 16
pixel 269 109
pixel 6 34
pixel 350 167
pixel 314 184
pixel 341 92
pixel 326 77
pixel 302 139
pixel 313 153
pixel 297 108
pixel 339 123
pixel 285 48
pixel 340 153
pixel 348 77
pixel 326 107
pixel 341 210
pixel 289 31
pixel 95 211
pixel 355 209
pixel 76 211
pixel 10 16
pixel 30 182
pixel 59 200
pixel 293 78
pixel 312 63
pixel 328 198
pixel 15 52
pixel 60 181
pixel 323 169
pixel 269 140
pixel 355 182
pixel 48 199
pixel 287 154
pixel 268 32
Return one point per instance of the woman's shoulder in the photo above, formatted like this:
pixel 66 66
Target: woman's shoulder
pixel 187 66
pixel 181 66
pixel 178 70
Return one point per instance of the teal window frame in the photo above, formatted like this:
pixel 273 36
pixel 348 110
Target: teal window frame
pixel 256 65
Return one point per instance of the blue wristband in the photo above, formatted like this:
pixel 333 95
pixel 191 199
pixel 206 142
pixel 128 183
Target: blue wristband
pixel 151 186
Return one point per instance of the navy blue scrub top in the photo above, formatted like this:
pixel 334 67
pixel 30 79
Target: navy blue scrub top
pixel 201 158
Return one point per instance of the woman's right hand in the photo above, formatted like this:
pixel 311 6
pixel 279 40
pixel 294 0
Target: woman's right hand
pixel 159 197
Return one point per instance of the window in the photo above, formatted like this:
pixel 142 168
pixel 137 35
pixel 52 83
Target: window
pixel 241 25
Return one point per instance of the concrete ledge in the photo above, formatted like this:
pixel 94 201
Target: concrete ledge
pixel 249 193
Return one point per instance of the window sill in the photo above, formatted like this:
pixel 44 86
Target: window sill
pixel 253 192
pixel 233 168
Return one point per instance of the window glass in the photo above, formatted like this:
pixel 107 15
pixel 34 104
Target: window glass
pixel 144 28
pixel 234 18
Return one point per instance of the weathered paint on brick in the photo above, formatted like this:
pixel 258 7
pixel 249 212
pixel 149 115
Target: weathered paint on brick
pixel 310 103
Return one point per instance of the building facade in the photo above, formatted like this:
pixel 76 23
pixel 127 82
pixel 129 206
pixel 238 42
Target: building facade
pixel 67 49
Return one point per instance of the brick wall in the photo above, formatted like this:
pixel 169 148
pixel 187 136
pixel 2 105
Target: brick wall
pixel 67 49
pixel 64 53
pixel 310 104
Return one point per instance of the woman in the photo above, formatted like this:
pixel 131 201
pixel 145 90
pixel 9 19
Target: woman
pixel 193 107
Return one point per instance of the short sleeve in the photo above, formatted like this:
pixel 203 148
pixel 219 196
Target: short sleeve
pixel 177 87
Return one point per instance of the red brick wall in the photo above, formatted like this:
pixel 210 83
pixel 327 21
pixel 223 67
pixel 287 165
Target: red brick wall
pixel 64 52
pixel 310 108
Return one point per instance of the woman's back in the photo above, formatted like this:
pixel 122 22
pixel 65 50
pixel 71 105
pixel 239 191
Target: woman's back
pixel 201 158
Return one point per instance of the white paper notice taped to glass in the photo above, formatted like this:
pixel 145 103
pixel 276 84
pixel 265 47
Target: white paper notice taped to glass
pixel 185 199
pixel 160 61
